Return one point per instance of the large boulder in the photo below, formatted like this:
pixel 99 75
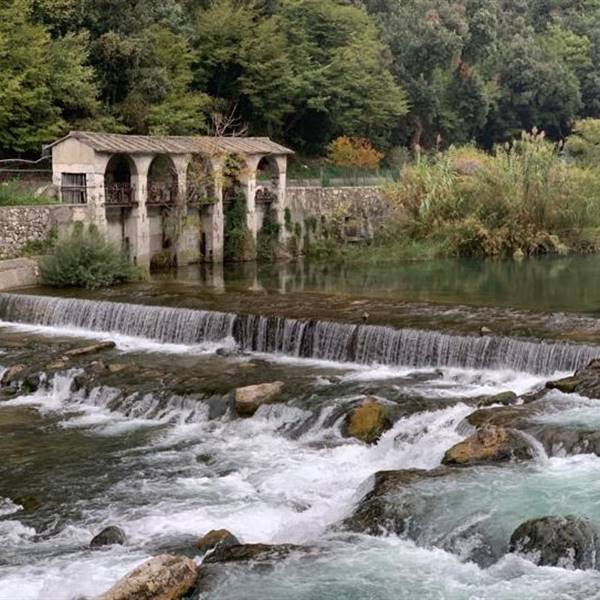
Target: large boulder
pixel 489 444
pixel 109 536
pixel 368 421
pixel 163 577
pixel 216 538
pixel 248 399
pixel 567 542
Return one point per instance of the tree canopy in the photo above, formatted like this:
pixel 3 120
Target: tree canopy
pixel 398 72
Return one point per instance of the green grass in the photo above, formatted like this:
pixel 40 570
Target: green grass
pixel 13 193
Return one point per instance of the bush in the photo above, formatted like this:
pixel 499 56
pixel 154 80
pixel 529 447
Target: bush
pixel 86 259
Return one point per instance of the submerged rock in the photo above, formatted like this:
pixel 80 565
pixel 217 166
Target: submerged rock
pixel 91 349
pixel 163 577
pixel 389 506
pixel 368 421
pixel 567 542
pixel 28 503
pixel 251 552
pixel 489 444
pixel 504 398
pixel 108 537
pixel 248 399
pixel 215 539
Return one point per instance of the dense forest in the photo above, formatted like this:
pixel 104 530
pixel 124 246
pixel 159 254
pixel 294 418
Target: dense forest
pixel 399 72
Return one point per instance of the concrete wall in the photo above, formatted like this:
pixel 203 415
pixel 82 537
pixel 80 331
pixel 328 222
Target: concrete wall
pixel 18 272
pixel 357 211
pixel 22 224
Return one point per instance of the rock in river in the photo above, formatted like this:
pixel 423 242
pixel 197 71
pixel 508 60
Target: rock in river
pixel 367 421
pixel 489 444
pixel 216 538
pixel 567 542
pixel 163 577
pixel 109 536
pixel 248 399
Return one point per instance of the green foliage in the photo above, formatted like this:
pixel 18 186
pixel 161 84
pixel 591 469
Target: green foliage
pixel 268 236
pixel 584 145
pixel 86 259
pixel 14 193
pixel 525 199
pixel 287 220
pixel 239 245
pixel 419 73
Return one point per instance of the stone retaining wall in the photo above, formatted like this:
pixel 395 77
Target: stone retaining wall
pixel 358 212
pixel 18 272
pixel 22 224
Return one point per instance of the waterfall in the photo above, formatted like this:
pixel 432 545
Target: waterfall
pixel 365 344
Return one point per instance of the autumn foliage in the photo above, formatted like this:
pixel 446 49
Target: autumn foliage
pixel 354 152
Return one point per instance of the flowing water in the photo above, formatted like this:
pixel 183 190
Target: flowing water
pixel 158 463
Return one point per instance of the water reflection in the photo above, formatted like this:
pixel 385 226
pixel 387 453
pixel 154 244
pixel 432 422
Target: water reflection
pixel 546 284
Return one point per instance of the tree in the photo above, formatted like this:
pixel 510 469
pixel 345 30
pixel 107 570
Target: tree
pixel 43 82
pixel 354 152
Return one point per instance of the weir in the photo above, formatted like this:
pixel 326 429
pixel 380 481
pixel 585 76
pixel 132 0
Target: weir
pixel 323 340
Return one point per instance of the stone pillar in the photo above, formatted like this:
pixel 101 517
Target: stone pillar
pixel 183 253
pixel 138 225
pixel 96 198
pixel 248 182
pixel 215 234
pixel 281 195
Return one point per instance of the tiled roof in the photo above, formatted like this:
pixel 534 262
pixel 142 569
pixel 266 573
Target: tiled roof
pixel 114 143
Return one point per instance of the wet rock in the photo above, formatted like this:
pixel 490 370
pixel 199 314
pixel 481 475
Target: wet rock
pixel 91 349
pixel 585 382
pixel 368 421
pixel 515 417
pixel 117 367
pixel 10 375
pixel 483 331
pixel 219 406
pixel 559 441
pixel 108 537
pixel 567 542
pixel 568 385
pixel 215 539
pixel 251 552
pixel 29 503
pixel 163 577
pixel 505 398
pixel 248 399
pixel 489 444
pixel 390 505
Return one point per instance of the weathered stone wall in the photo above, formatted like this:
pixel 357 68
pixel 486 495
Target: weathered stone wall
pixel 22 224
pixel 356 212
pixel 18 272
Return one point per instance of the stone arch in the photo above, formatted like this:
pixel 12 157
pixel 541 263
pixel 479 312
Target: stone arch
pixel 118 181
pixel 200 182
pixel 163 182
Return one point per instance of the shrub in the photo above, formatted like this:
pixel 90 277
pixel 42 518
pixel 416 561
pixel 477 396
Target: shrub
pixel 86 259
pixel 239 244
pixel 524 198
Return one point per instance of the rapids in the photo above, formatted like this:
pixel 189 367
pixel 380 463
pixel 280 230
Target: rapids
pixel 159 466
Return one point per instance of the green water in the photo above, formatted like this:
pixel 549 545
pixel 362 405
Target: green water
pixel 545 284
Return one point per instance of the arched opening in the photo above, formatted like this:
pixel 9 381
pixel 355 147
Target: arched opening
pixel 237 240
pixel 200 182
pixel 118 188
pixel 119 200
pixel 162 182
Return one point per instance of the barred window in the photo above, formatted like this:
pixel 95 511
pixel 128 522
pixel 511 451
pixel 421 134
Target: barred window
pixel 74 188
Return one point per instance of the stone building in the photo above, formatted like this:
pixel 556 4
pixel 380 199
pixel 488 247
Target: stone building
pixel 137 189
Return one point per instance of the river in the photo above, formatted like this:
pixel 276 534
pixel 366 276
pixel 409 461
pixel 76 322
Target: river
pixel 147 451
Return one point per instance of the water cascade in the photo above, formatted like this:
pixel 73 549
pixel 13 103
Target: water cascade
pixel 363 344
